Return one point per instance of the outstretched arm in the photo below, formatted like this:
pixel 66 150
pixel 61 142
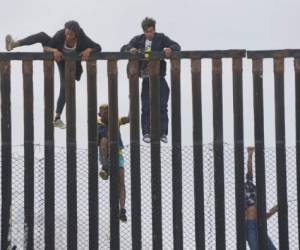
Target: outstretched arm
pixel 272 211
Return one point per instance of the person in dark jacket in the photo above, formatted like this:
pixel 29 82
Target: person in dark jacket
pixel 70 39
pixel 150 40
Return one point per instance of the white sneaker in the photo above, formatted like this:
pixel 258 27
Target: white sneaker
pixel 146 138
pixel 164 139
pixel 58 123
pixel 9 41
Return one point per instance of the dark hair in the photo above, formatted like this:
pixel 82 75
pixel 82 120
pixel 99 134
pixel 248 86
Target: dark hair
pixel 148 22
pixel 74 26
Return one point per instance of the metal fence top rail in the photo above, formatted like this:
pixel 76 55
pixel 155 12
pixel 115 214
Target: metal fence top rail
pixel 258 54
pixel 126 55
pixel 193 54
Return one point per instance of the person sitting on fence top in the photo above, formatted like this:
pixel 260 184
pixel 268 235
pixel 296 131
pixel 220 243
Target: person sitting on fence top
pixel 250 208
pixel 103 143
pixel 149 41
pixel 70 39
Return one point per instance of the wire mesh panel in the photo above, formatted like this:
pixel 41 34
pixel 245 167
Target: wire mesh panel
pixel 17 233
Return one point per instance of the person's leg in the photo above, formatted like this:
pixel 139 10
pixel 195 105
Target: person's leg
pixel 103 155
pixel 41 38
pixel 122 189
pixel 164 98
pixel 145 117
pixel 271 246
pixel 251 234
pixel 61 98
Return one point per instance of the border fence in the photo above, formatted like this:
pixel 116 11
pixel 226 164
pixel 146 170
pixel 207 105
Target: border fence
pixel 156 157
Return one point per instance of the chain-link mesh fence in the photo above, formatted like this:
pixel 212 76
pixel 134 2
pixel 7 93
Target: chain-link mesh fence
pixel 17 209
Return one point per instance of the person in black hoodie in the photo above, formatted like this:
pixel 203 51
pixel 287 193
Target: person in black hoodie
pixel 70 39
pixel 153 41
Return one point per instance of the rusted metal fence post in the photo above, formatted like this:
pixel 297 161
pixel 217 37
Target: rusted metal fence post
pixel 49 155
pixel 259 152
pixel 28 155
pixel 281 154
pixel 239 151
pixel 198 154
pixel 155 153
pixel 113 152
pixel 176 154
pixel 218 152
pixel 71 155
pixel 6 154
pixel 92 154
pixel 133 71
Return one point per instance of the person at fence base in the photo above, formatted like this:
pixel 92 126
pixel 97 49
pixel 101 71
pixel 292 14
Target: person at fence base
pixel 149 41
pixel 250 208
pixel 103 143
pixel 70 39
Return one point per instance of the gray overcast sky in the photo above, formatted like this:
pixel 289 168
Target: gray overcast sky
pixel 196 25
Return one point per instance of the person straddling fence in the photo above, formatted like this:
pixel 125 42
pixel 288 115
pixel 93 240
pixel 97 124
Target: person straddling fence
pixel 149 41
pixel 103 143
pixel 250 208
pixel 70 39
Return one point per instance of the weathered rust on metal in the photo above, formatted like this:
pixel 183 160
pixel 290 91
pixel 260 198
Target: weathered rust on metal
pixel 49 233
pixel 6 152
pixel 278 65
pixel 239 151
pixel 195 65
pixel 257 68
pixel 154 87
pixel 217 65
pixel 28 153
pixel 91 67
pixel 198 154
pixel 176 154
pixel 281 154
pixel 71 155
pixel 155 55
pixel 218 152
pixel 133 74
pixel 113 128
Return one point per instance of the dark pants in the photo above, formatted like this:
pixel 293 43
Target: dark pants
pixel 252 236
pixel 41 38
pixel 164 97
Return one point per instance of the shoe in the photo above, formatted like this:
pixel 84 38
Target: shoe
pixel 58 123
pixel 164 139
pixel 104 173
pixel 9 41
pixel 146 138
pixel 122 215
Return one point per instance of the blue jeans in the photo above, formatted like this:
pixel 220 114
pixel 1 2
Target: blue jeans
pixel 164 98
pixel 251 231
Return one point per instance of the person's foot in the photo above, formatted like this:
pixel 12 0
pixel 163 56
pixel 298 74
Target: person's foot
pixel 122 215
pixel 104 173
pixel 164 139
pixel 10 43
pixel 146 138
pixel 58 123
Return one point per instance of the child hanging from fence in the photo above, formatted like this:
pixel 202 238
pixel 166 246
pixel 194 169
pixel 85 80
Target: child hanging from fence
pixel 103 144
